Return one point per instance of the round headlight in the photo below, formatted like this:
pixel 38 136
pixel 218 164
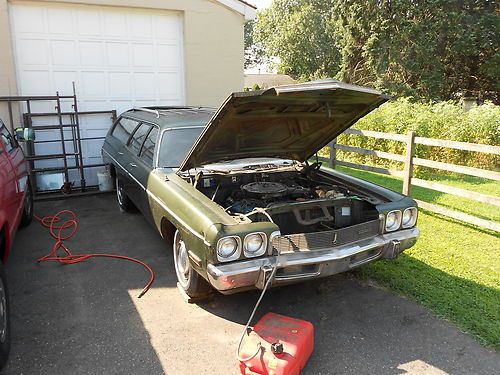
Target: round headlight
pixel 393 221
pixel 409 217
pixel 254 244
pixel 227 247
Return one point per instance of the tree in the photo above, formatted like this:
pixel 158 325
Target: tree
pixel 254 51
pixel 433 49
pixel 295 31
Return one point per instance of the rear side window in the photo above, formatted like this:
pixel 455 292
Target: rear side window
pixel 138 138
pixel 148 149
pixel 124 128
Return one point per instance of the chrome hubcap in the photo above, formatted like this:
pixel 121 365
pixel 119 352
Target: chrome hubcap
pixel 182 265
pixel 119 192
pixel 3 313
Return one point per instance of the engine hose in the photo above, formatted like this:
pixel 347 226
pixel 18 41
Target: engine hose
pixel 62 229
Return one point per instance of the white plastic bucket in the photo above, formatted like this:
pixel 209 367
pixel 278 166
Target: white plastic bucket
pixel 105 181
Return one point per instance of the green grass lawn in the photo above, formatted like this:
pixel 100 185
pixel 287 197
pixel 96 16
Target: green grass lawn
pixel 454 269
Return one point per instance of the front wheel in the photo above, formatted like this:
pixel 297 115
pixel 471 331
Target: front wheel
pixel 190 281
pixel 4 320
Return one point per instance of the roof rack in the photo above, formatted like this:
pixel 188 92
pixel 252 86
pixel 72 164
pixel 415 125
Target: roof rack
pixel 178 110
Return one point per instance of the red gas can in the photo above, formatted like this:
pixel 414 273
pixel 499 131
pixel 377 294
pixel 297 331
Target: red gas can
pixel 285 346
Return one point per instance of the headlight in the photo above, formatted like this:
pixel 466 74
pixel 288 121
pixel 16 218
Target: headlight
pixel 228 249
pixel 255 244
pixel 409 217
pixel 393 221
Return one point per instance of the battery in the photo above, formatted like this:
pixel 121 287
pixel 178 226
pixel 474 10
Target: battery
pixel 284 346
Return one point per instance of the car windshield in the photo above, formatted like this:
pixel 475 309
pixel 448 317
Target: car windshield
pixel 175 144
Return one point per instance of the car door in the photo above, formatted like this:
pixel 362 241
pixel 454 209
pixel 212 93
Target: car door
pixel 11 171
pixel 147 158
pixel 118 150
pixel 139 169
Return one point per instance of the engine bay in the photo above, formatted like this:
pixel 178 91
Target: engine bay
pixel 297 201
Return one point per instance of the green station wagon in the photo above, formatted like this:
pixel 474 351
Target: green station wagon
pixel 234 190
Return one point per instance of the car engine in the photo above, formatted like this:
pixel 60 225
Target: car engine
pixel 295 201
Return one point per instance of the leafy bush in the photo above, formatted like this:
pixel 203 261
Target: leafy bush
pixel 443 120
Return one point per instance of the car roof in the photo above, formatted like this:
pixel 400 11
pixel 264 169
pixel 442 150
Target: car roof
pixel 172 117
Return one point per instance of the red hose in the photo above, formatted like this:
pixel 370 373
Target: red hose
pixel 70 227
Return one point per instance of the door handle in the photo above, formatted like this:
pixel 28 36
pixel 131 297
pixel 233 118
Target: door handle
pixel 120 153
pixel 133 165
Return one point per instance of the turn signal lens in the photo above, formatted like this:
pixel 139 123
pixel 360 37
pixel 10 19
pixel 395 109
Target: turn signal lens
pixel 254 244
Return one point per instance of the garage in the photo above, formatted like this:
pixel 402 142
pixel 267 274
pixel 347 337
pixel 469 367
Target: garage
pixel 118 57
pixel 120 54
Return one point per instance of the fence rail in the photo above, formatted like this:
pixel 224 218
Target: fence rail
pixel 409 160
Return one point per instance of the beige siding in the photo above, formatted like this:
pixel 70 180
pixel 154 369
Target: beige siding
pixel 213 47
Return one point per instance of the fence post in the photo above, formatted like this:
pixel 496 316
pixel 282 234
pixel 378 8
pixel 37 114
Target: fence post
pixel 333 154
pixel 410 153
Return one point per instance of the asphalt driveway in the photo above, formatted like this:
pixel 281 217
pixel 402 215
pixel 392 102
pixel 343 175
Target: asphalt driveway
pixel 86 319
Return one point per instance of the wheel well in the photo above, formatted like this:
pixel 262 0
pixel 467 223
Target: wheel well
pixel 167 229
pixel 112 170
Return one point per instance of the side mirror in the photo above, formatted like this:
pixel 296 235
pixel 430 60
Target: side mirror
pixel 24 134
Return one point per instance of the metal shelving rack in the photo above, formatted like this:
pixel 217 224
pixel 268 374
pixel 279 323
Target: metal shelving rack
pixel 75 139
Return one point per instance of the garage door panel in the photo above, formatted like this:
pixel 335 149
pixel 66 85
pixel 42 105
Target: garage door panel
pixel 30 19
pixel 120 84
pixel 88 23
pixel 118 54
pixel 36 82
pixel 166 56
pixel 62 80
pixel 60 21
pixel 140 26
pixel 64 52
pixel 163 29
pixel 33 51
pixel 118 57
pixel 115 25
pixel 94 84
pixel 92 53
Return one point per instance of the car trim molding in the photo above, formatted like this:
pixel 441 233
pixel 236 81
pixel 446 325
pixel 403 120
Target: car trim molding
pixel 127 172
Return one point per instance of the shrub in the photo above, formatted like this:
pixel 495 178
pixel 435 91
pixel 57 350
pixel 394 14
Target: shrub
pixel 443 120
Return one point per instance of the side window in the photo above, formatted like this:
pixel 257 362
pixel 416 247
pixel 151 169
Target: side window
pixel 7 139
pixel 124 128
pixel 148 149
pixel 138 138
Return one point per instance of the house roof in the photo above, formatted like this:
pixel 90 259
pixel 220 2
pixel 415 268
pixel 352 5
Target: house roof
pixel 246 9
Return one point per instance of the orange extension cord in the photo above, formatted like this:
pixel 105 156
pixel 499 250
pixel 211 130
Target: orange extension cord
pixel 70 227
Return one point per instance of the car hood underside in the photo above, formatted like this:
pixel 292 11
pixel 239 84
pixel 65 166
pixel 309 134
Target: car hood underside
pixel 288 122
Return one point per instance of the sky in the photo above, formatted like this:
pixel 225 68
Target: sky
pixel 261 4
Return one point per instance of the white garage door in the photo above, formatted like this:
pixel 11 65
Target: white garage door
pixel 118 57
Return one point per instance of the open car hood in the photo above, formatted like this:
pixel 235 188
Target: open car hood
pixel 288 122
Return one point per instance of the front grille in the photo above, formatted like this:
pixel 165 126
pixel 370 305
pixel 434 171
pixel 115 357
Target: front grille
pixel 327 239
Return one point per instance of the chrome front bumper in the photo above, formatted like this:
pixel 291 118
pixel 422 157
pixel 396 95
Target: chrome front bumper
pixel 304 265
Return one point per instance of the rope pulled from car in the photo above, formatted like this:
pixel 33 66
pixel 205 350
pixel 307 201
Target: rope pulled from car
pixel 62 227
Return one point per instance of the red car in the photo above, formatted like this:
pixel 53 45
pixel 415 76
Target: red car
pixel 16 209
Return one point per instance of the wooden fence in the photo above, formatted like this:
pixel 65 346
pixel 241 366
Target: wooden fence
pixel 410 160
